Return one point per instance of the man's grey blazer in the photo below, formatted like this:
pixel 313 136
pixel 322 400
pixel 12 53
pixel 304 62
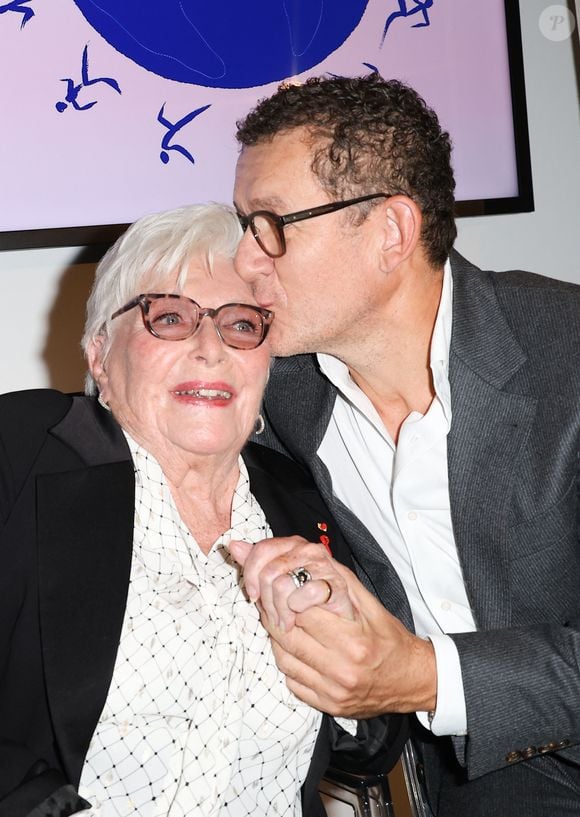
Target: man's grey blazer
pixel 513 453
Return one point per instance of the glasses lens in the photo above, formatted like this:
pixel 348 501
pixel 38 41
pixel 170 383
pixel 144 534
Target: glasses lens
pixel 172 318
pixel 268 234
pixel 240 326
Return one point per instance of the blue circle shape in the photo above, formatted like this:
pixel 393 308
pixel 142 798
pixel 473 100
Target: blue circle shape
pixel 224 43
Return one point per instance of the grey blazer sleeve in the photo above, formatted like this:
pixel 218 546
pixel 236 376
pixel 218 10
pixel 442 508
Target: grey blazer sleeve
pixel 513 456
pixel 523 695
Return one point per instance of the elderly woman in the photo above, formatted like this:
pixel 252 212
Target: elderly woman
pixel 135 676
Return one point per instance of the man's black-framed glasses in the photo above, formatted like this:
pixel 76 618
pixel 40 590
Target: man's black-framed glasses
pixel 175 317
pixel 268 228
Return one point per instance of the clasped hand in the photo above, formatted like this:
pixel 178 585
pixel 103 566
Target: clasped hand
pixel 347 656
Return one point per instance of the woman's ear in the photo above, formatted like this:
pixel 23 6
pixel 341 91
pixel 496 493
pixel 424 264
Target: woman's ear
pixel 96 355
pixel 401 230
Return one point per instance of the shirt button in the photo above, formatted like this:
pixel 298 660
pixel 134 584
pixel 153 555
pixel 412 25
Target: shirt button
pixel 412 516
pixel 446 605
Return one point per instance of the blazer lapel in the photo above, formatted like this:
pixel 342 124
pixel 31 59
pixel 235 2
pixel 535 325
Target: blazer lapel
pixel 488 429
pixel 295 387
pixel 85 533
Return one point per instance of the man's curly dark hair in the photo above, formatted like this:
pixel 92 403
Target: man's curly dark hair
pixel 368 135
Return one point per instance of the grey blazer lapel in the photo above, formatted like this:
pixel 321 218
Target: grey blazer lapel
pixel 488 429
pixel 298 406
pixel 85 532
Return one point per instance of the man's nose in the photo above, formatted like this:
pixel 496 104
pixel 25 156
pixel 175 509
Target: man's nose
pixel 251 261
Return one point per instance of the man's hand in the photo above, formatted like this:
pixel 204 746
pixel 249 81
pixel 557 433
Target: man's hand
pixel 357 668
pixel 357 665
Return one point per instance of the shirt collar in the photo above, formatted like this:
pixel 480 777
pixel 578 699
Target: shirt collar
pixel 441 341
pixel 247 518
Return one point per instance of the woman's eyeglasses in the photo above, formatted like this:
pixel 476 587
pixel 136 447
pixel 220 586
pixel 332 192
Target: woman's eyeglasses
pixel 268 228
pixel 175 317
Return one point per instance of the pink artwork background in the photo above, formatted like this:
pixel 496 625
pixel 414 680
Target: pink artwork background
pixel 102 166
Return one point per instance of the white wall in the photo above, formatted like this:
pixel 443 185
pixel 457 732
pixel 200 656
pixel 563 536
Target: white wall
pixel 42 298
pixel 548 240
pixel 43 291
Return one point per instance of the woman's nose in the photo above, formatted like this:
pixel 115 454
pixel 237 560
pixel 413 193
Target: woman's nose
pixel 251 262
pixel 206 343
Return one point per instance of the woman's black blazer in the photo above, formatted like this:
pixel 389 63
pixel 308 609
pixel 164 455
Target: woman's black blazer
pixel 66 529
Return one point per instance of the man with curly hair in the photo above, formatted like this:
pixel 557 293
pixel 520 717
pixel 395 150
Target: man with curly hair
pixel 438 407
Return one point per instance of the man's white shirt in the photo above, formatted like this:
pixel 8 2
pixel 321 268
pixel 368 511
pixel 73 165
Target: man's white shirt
pixel 401 494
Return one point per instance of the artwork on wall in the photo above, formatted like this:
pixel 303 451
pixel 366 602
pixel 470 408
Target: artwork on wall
pixel 113 110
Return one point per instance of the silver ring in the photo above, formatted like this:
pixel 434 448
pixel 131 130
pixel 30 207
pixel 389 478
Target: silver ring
pixel 300 576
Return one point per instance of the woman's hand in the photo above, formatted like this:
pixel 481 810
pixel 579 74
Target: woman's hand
pixel 267 576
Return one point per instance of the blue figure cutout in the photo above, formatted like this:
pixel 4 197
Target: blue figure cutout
pixel 18 5
pixel 72 90
pixel 172 129
pixel 373 70
pixel 405 11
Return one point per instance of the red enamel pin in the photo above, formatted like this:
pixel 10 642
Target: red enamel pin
pixel 323 538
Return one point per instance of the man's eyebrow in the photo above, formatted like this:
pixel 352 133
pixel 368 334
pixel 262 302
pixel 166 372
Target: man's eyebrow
pixel 273 203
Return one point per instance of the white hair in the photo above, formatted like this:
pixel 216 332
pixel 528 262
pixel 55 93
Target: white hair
pixel 154 248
